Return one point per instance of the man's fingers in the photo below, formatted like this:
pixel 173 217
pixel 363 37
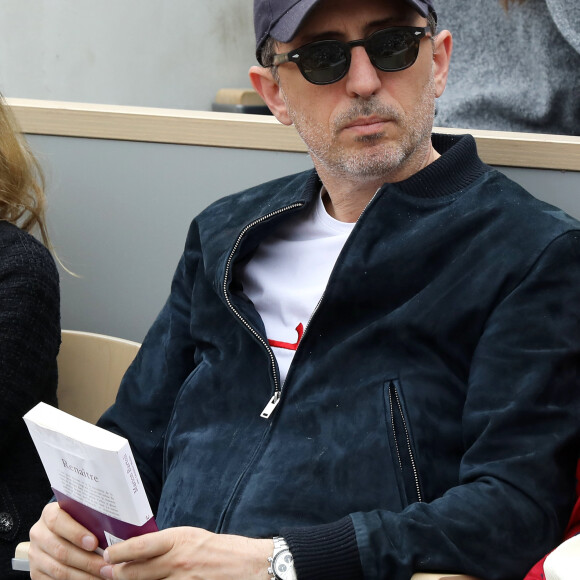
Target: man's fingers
pixel 72 564
pixel 63 525
pixel 61 548
pixel 142 547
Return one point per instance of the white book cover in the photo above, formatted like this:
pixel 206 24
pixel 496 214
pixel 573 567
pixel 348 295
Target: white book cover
pixel 92 473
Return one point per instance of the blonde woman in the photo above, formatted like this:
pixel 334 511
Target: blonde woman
pixel 29 335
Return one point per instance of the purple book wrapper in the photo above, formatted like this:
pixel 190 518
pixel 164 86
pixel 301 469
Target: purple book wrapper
pixel 107 529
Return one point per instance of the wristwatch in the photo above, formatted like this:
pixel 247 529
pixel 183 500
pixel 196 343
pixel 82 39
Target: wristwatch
pixel 281 562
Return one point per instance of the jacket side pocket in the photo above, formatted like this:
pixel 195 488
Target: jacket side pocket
pixel 401 444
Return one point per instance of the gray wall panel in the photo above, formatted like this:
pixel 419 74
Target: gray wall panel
pixel 119 213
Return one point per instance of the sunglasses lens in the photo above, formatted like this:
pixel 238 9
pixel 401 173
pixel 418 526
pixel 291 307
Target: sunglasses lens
pixel 324 62
pixel 327 61
pixel 392 50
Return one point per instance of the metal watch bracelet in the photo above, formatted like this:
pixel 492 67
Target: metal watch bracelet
pixel 281 562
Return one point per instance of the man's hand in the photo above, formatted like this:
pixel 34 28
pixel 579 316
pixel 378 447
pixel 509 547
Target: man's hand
pixel 188 554
pixel 61 548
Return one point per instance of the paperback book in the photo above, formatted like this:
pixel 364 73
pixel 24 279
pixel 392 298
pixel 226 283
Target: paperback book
pixel 93 475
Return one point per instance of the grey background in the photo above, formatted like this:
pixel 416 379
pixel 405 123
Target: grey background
pixel 157 53
pixel 119 213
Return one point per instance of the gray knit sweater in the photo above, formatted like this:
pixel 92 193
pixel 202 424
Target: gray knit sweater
pixel 514 71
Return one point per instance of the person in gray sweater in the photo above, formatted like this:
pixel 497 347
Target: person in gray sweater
pixel 515 66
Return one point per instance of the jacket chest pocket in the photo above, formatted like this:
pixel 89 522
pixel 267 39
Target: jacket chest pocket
pixel 401 442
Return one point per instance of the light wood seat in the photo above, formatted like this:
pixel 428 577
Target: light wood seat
pixel 90 369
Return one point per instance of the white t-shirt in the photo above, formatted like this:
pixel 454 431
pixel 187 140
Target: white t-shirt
pixel 287 275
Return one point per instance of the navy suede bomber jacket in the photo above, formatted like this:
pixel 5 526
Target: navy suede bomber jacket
pixel 430 418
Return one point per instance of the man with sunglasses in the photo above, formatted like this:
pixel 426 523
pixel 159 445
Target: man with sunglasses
pixel 375 362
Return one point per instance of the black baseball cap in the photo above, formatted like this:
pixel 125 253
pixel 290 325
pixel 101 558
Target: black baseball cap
pixel 282 18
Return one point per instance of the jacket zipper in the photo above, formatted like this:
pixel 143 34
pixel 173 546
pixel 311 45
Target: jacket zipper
pixel 275 399
pixel 273 402
pixel 394 395
pixel 324 292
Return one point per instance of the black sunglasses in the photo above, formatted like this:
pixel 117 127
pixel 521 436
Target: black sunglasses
pixel 326 61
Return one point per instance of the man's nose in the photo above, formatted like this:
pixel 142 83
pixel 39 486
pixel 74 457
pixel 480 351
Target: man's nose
pixel 362 78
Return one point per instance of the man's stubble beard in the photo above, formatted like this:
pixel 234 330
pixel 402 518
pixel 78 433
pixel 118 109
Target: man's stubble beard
pixel 380 158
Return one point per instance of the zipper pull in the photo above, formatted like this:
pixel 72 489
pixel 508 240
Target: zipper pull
pixel 272 404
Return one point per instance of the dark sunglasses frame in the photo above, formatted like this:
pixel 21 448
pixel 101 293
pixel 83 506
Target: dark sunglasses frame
pixel 296 55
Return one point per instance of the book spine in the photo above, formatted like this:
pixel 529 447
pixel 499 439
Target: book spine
pixel 134 484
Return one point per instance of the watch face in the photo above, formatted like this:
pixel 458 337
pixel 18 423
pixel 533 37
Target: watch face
pixel 283 565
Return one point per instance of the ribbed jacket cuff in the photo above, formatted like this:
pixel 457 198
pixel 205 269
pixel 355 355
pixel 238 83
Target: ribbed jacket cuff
pixel 325 552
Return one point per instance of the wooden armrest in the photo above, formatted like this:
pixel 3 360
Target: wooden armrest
pixel 440 576
pixel 20 560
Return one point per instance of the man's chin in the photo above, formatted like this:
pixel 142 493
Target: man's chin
pixel 372 138
pixel 380 163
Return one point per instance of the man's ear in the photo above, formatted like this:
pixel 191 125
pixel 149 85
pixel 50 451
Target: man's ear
pixel 269 89
pixel 441 57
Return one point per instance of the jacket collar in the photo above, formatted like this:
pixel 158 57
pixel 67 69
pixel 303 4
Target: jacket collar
pixel 457 168
pixel 263 206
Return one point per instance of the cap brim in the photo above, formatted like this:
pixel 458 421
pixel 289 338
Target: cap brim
pixel 288 24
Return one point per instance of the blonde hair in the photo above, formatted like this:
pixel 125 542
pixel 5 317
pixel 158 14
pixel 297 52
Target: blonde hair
pixel 22 200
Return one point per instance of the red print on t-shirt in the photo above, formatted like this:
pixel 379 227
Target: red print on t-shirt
pixel 289 345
